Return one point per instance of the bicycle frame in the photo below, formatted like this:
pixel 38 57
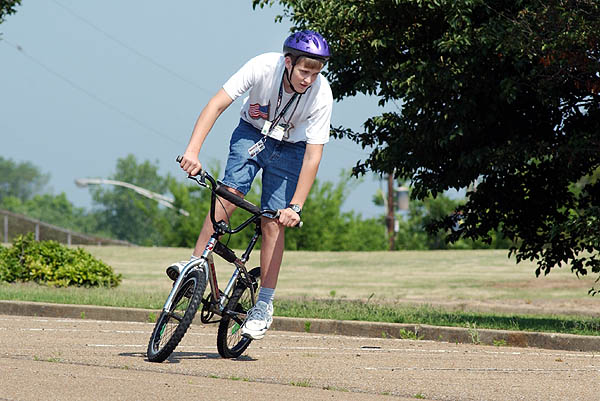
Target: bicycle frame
pixel 187 294
pixel 206 261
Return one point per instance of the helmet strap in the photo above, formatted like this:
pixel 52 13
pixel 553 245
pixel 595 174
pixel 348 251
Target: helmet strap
pixel 288 76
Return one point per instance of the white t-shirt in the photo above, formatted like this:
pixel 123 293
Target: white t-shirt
pixel 308 119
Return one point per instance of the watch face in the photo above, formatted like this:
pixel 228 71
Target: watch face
pixel 295 208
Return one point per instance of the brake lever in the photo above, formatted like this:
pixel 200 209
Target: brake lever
pixel 200 178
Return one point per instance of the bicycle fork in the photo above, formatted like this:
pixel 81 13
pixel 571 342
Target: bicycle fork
pixel 198 263
pixel 205 264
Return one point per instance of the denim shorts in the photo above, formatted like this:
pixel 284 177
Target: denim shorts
pixel 280 162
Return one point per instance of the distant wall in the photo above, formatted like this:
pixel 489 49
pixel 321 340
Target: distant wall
pixel 14 224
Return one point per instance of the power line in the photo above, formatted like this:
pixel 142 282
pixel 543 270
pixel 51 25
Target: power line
pixel 129 48
pixel 157 64
pixel 88 93
pixel 118 110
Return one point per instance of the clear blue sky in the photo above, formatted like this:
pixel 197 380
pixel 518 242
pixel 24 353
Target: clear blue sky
pixel 97 80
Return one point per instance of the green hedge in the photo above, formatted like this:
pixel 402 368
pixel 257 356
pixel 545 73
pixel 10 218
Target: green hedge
pixel 54 264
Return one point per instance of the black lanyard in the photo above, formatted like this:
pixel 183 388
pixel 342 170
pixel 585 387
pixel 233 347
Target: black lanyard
pixel 286 107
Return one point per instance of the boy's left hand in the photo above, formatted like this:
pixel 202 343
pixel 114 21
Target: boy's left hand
pixel 288 218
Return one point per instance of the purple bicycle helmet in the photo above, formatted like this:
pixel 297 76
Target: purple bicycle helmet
pixel 308 44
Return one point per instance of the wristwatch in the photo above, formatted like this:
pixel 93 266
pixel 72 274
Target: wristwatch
pixel 296 208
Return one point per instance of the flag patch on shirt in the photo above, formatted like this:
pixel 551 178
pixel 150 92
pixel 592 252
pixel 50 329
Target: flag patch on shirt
pixel 257 111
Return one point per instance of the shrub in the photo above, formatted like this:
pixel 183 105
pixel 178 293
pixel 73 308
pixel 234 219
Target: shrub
pixel 54 264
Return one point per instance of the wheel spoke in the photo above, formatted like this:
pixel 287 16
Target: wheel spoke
pixel 176 316
pixel 238 317
pixel 172 324
pixel 230 342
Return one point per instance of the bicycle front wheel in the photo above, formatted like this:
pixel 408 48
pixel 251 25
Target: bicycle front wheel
pixel 172 325
pixel 230 342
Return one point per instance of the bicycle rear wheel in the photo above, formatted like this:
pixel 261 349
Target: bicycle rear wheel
pixel 172 325
pixel 230 342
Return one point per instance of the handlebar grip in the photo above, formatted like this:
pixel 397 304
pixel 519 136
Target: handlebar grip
pixel 236 200
pixel 179 158
pixel 276 215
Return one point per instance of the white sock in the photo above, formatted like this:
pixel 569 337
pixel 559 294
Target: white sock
pixel 266 295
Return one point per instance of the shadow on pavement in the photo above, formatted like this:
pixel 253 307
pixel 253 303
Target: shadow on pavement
pixel 176 357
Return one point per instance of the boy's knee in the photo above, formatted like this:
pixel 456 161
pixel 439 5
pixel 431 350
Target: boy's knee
pixel 271 227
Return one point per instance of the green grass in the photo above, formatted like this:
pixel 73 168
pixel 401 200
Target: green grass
pixel 119 297
pixel 445 288
pixel 336 309
pixel 361 311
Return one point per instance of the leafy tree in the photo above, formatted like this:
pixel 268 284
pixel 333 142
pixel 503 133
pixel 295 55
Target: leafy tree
pixel 21 180
pixel 413 233
pixel 23 190
pixel 8 7
pixel 421 213
pixel 360 234
pixel 326 228
pixel 53 209
pixel 503 94
pixel 179 230
pixel 126 214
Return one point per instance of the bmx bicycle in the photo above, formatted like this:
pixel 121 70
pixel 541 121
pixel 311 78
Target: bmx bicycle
pixel 230 304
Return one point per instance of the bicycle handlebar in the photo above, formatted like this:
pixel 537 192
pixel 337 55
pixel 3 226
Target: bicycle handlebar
pixel 222 191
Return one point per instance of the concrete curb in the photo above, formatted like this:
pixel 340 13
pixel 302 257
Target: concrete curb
pixel 566 342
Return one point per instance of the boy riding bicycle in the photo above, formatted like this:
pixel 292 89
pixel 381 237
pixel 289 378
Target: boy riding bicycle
pixel 284 124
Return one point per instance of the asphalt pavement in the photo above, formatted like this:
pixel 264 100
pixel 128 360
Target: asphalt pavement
pixel 81 358
pixel 566 342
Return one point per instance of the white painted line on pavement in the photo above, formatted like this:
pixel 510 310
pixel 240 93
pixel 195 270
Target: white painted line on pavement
pixel 436 351
pixel 179 347
pixel 118 345
pixel 499 370
pixel 100 331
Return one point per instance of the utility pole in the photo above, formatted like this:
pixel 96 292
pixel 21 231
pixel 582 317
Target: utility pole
pixel 390 211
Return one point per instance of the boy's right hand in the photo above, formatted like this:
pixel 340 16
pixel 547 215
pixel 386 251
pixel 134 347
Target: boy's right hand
pixel 190 164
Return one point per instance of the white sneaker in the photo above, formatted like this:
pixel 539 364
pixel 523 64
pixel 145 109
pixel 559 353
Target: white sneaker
pixel 174 270
pixel 258 321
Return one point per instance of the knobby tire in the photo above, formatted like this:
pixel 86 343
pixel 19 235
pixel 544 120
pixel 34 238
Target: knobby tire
pixel 171 326
pixel 230 342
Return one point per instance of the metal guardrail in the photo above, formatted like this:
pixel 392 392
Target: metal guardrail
pixel 14 224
